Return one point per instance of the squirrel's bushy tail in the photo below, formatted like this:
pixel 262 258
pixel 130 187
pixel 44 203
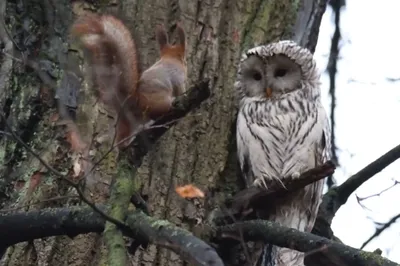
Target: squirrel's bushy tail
pixel 113 63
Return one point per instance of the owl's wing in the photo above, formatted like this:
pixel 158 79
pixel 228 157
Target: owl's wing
pixel 324 148
pixel 245 140
pixel 269 158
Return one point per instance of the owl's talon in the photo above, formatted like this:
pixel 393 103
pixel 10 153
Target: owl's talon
pixel 296 175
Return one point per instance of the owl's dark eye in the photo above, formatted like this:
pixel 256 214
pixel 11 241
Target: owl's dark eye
pixel 257 76
pixel 280 72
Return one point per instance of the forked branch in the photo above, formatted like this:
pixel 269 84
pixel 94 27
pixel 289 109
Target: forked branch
pixel 337 196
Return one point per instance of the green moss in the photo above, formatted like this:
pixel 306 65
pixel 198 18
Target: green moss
pixel 121 192
pixel 160 223
pixel 259 24
pixel 370 256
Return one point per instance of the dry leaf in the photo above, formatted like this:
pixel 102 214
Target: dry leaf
pixel 189 191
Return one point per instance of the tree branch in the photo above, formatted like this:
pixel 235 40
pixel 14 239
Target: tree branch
pixel 347 188
pixel 23 226
pixel 338 196
pixel 181 107
pixel 251 198
pixel 273 233
pixel 164 233
pixel 254 196
pixel 380 230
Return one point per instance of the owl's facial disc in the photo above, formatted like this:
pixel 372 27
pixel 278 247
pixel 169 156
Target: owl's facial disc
pixel 253 76
pixel 283 75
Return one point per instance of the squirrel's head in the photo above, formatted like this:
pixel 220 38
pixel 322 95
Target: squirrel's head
pixel 177 50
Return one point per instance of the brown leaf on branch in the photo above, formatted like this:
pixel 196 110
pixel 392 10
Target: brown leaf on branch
pixel 189 191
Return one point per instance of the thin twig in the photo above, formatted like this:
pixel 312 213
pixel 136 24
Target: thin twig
pixel 115 145
pixel 379 193
pixel 355 181
pixel 380 230
pixel 360 199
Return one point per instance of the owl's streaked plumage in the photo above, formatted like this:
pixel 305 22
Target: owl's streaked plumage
pixel 282 131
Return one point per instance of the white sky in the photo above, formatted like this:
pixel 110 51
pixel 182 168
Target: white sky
pixel 367 123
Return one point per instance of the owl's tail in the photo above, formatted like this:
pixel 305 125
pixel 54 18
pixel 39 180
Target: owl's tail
pixel 276 256
pixel 268 256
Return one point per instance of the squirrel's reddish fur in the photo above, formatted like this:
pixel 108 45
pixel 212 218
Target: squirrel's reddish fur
pixel 114 67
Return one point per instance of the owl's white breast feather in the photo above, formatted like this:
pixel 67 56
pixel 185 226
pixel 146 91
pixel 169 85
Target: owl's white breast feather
pixel 281 138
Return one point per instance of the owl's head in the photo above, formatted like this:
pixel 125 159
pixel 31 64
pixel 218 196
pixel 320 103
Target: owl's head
pixel 274 69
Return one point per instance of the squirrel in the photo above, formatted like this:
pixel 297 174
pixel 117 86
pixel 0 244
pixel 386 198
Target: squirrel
pixel 137 99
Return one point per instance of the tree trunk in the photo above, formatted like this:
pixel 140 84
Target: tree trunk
pixel 41 67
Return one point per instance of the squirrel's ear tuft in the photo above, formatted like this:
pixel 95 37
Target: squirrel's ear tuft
pixel 181 35
pixel 161 36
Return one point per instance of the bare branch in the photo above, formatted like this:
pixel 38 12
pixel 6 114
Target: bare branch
pixel 163 233
pixel 359 199
pixel 347 188
pixel 273 233
pixel 380 230
pixel 23 226
pixel 338 196
pixel 255 197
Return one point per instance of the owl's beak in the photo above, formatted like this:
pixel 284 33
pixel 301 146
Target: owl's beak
pixel 269 92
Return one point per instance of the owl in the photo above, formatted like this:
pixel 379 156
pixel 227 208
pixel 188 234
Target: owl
pixel 282 131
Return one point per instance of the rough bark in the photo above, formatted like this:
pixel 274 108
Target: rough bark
pixel 200 149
